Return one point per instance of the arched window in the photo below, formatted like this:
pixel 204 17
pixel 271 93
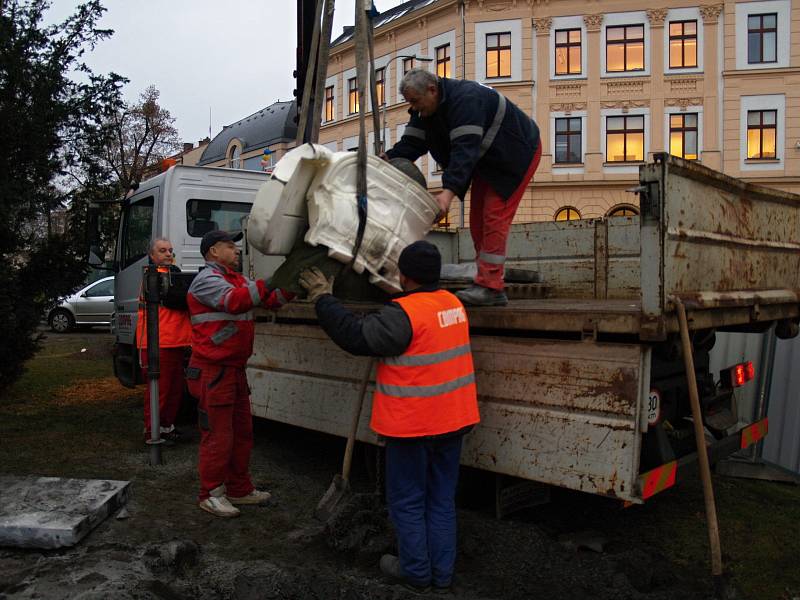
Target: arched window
pixel 567 213
pixel 235 157
pixel 622 210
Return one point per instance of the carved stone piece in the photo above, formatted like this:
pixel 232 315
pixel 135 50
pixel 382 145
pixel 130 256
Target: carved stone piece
pixel 543 25
pixel 567 107
pixel 593 22
pixel 656 16
pixel 711 13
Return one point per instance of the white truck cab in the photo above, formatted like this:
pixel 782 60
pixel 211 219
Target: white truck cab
pixel 181 204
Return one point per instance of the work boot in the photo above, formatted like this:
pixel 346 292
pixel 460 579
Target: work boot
pixel 218 505
pixel 254 498
pixel 477 295
pixel 390 566
pixel 171 434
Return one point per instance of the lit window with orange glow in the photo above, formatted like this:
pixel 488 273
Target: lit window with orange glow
pixel 408 64
pixel 625 48
pixel 625 138
pixel 682 44
pixel 761 134
pixel 352 96
pixel 380 86
pixel 623 210
pixel 568 52
pixel 683 135
pixel 443 61
pixel 567 213
pixel 498 55
pixel 330 113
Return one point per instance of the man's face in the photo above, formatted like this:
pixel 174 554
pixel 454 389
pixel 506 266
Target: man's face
pixel 225 253
pixel 425 103
pixel 162 253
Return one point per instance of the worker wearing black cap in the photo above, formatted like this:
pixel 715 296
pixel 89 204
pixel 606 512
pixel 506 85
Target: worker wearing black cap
pixel 220 302
pixel 425 401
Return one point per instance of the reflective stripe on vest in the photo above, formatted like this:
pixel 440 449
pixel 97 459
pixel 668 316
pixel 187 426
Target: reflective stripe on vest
pixel 491 133
pixel 220 316
pixel 430 389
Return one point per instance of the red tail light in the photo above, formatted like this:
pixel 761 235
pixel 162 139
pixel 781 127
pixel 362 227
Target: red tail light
pixel 738 375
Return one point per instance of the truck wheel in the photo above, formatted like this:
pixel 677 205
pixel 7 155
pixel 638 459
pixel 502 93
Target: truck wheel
pixel 61 320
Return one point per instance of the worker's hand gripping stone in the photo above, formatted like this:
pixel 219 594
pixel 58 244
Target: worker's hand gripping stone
pixel 315 283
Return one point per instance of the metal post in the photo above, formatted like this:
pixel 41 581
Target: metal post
pixel 152 289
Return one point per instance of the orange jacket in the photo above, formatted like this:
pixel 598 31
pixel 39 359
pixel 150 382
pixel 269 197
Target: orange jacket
pixel 174 327
pixel 430 388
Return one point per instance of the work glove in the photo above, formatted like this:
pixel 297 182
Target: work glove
pixel 315 283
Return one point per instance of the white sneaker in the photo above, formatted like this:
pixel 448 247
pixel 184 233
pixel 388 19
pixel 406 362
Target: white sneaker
pixel 218 505
pixel 256 497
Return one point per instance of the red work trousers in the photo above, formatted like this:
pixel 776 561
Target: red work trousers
pixel 490 217
pixel 170 385
pixel 226 427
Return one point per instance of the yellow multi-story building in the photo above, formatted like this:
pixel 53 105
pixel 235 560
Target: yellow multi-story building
pixel 609 83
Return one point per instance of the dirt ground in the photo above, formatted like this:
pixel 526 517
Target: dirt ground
pixel 68 417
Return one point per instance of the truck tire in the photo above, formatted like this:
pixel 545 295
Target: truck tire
pixel 61 320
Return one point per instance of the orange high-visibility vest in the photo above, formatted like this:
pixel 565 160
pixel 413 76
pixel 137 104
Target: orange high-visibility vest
pixel 429 389
pixel 174 327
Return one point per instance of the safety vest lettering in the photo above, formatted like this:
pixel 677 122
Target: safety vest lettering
pixel 451 316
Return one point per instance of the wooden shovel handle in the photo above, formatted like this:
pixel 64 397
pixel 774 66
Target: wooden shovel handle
pixel 351 437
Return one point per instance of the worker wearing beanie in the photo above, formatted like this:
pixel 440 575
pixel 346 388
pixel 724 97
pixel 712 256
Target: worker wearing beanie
pixel 425 401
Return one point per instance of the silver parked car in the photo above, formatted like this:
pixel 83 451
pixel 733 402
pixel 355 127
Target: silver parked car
pixel 91 305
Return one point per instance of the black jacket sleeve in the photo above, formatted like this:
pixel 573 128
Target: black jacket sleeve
pixel 412 143
pixel 385 333
pixel 466 117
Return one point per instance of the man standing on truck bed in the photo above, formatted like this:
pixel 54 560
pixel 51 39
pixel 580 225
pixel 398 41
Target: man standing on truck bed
pixel 425 401
pixel 220 304
pixel 175 336
pixel 477 136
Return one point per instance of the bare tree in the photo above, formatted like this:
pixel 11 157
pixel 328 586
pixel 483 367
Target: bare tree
pixel 140 136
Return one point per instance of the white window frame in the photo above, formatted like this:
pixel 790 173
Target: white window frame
pixel 776 102
pixel 346 77
pixel 621 112
pixel 447 38
pixel 415 50
pixel 783 8
pixel 513 26
pixel 568 23
pixel 332 81
pixel 616 20
pixel 384 62
pixel 676 110
pixel 559 169
pixel 684 14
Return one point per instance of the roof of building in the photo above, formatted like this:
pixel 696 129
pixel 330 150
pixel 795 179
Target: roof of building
pixel 385 17
pixel 270 125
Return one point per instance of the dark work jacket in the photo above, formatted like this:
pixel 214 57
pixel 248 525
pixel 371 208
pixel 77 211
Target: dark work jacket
pixel 387 332
pixel 459 133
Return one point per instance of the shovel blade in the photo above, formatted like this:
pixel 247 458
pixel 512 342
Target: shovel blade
pixel 337 493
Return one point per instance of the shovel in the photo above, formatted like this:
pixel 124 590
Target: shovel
pixel 339 491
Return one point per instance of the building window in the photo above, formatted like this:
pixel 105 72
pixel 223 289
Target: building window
pixel 568 140
pixel 235 157
pixel 761 134
pixel 625 48
pixel 330 113
pixel 567 213
pixel 683 135
pixel 380 85
pixel 682 44
pixel 623 210
pixel 408 64
pixel 625 138
pixel 352 96
pixel 443 61
pixel 498 54
pixel 568 52
pixel 762 38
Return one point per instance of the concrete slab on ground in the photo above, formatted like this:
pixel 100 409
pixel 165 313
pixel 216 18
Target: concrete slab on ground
pixel 55 512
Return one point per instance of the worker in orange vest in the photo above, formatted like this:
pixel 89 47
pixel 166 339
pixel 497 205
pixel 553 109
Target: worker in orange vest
pixel 174 339
pixel 425 401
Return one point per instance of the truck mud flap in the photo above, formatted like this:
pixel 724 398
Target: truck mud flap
pixel 667 475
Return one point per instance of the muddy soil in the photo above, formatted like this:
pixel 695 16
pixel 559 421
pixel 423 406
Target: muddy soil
pixel 167 548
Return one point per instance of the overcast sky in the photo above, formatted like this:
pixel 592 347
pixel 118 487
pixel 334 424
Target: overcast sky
pixel 232 56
